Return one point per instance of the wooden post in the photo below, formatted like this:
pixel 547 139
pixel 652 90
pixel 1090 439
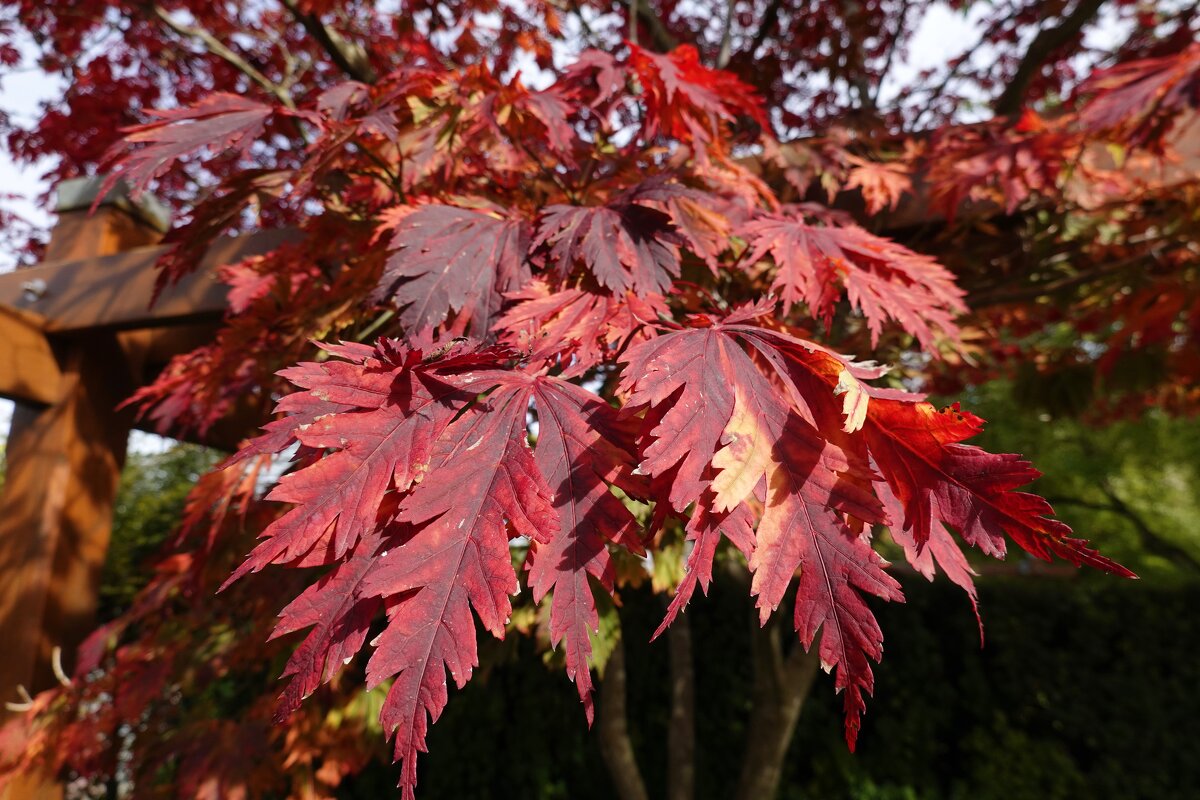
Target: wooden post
pixel 64 462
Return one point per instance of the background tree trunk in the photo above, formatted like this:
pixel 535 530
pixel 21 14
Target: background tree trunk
pixel 613 725
pixel 781 684
pixel 681 730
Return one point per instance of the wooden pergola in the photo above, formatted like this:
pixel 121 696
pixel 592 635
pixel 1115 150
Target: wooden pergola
pixel 78 336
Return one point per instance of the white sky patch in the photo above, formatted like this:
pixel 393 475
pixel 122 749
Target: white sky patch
pixel 22 93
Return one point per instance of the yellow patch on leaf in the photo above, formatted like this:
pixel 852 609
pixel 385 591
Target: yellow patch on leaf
pixel 854 404
pixel 744 459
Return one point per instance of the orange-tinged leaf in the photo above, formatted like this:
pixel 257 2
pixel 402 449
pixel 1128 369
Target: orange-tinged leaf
pixel 882 184
pixel 881 279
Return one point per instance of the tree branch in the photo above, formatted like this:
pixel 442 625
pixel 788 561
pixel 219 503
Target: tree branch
pixel 681 729
pixel 613 728
pixel 664 41
pixel 221 51
pixel 726 51
pixel 901 18
pixel 1151 541
pixel 781 685
pixel 767 26
pixel 1040 49
pixel 350 58
pixel 855 63
pixel 1000 296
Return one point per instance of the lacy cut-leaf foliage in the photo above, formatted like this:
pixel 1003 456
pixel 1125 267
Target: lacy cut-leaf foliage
pixel 552 324
pixel 414 472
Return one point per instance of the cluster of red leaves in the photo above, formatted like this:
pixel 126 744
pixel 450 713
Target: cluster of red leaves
pixel 883 280
pixel 1139 102
pixel 415 470
pixel 570 257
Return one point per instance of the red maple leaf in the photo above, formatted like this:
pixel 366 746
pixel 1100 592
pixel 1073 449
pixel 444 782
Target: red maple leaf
pixel 414 473
pixel 581 327
pixel 735 434
pixel 882 184
pixel 219 122
pixel 585 228
pixel 624 245
pixel 687 100
pixel 688 379
pixel 340 613
pixel 701 218
pixel 446 259
pixel 483 488
pixel 553 110
pixel 596 75
pixel 919 452
pixel 1140 101
pixel 998 164
pixel 882 279
pixel 723 436
pixel 940 549
pixel 399 410
pixel 582 448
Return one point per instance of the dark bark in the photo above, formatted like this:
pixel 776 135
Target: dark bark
pixel 350 58
pixel 681 730
pixel 1043 46
pixel 781 685
pixel 663 40
pixel 613 728
pixel 766 27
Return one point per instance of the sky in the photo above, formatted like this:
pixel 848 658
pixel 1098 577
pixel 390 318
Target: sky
pixel 21 96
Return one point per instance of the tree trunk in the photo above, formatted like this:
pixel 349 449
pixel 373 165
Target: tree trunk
pixel 681 730
pixel 781 684
pixel 613 725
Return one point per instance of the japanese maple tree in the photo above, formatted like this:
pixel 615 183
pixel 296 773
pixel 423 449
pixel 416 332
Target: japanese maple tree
pixel 571 290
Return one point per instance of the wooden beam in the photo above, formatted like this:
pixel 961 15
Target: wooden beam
pixel 77 235
pixel 64 463
pixel 113 292
pixel 64 452
pixel 117 223
pixel 29 371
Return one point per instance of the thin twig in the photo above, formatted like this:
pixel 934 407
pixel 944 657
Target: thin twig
pixel 349 57
pixel 57 667
pixel 221 51
pixel 25 704
pixel 375 325
pixel 726 51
